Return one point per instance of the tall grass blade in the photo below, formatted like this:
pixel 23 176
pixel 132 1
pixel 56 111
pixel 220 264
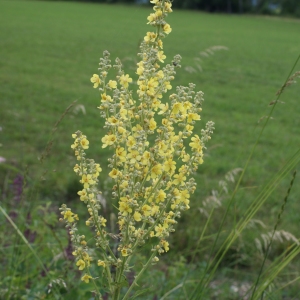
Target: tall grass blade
pixel 272 237
pixel 233 236
pixel 27 244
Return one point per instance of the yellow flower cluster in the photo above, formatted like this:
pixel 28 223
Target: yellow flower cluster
pixel 83 259
pixel 154 150
pixel 151 175
pixel 88 171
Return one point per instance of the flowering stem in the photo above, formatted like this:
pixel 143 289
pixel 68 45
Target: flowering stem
pixel 95 285
pixel 119 275
pixel 139 275
pixel 154 188
pixel 101 234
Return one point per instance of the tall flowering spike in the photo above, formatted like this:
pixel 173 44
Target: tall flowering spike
pixel 153 159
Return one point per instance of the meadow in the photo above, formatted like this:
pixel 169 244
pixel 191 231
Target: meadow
pixel 49 51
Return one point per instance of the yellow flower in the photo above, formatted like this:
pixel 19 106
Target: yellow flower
pixel 84 143
pixel 168 6
pixel 75 145
pixel 121 154
pixel 131 141
pixel 199 160
pixel 161 196
pixel 98 170
pixel 187 105
pixel 167 86
pixel 156 171
pixel 167 28
pixel 186 158
pixel 160 43
pixel 196 143
pixel 140 68
pixel 101 263
pixel 86 257
pixel 86 278
pixel 142 89
pixel 154 210
pixel 159 230
pixel 179 179
pixel 80 264
pixel 121 223
pixel 68 215
pixel 112 84
pixel 151 85
pixel 124 252
pixel 124 184
pixel 192 117
pixel 86 180
pixel 165 244
pixel 152 124
pixel 124 208
pixel 162 148
pixel 146 158
pixel 105 98
pixel 161 56
pixel 155 103
pixel 189 128
pixel 164 108
pixel 134 156
pixel 151 18
pixel 150 37
pixel 113 121
pixel 114 173
pixel 184 195
pixel 125 80
pixel 96 80
pixel 121 130
pixel 158 13
pixel 170 166
pixel 102 221
pixel 146 209
pixel 83 195
pixel 177 107
pixel 108 140
pixel 123 113
pixel 137 216
pixel 76 168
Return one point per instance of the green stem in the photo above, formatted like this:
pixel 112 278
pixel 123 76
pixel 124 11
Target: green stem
pixel 139 275
pixel 95 285
pixel 101 233
pixel 118 280
pixel 202 234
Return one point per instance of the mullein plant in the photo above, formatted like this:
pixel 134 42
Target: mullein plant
pixel 151 164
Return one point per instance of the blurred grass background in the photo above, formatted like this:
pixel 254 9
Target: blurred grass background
pixel 49 51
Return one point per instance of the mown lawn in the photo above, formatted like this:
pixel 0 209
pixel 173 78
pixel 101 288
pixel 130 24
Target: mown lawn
pixel 49 50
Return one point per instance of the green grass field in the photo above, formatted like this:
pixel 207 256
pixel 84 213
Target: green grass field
pixel 49 50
